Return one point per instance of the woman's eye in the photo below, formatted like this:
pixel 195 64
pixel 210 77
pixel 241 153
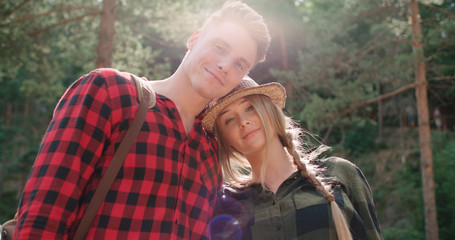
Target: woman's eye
pixel 229 120
pixel 250 108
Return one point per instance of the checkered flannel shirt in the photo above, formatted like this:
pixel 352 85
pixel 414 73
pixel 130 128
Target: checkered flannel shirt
pixel 165 190
pixel 298 210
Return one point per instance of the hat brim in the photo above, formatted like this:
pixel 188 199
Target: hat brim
pixel 274 91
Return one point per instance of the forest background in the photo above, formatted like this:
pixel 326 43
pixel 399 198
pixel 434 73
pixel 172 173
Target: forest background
pixel 348 67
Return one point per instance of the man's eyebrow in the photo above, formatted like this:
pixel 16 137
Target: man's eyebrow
pixel 220 40
pixel 247 64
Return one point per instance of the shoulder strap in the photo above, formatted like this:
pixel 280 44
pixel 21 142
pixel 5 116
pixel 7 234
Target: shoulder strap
pixel 140 84
pixel 116 164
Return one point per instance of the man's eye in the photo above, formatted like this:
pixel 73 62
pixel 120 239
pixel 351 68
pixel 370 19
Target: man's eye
pixel 218 47
pixel 240 66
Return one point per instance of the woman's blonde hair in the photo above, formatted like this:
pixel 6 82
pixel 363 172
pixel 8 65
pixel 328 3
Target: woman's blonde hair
pixel 237 170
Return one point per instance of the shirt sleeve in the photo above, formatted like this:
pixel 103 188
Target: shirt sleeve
pixel 359 192
pixel 67 158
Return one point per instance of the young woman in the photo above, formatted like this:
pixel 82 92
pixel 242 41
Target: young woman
pixel 277 185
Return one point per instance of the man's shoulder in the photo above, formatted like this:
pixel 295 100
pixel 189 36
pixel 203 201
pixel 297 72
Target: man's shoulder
pixel 113 76
pixel 104 76
pixel 115 81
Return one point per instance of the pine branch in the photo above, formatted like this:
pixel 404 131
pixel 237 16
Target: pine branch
pixel 151 38
pixel 93 9
pixel 33 35
pixel 450 14
pixel 382 97
pixel 10 12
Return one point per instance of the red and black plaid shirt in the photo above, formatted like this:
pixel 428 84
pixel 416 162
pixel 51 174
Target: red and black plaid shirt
pixel 165 189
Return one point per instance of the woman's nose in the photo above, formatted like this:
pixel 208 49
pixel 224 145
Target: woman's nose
pixel 244 122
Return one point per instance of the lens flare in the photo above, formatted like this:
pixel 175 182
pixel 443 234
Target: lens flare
pixel 226 225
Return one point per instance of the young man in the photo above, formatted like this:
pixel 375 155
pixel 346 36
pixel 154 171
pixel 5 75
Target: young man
pixel 167 184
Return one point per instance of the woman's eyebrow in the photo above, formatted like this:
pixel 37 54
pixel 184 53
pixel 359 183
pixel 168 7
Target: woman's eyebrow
pixel 223 112
pixel 227 110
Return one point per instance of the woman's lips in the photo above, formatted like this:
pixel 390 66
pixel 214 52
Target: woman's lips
pixel 250 133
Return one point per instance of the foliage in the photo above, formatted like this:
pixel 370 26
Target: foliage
pixel 348 60
pixel 397 233
pixel 444 165
pixel 397 186
pixel 354 51
pixel 361 138
pixel 439 37
pixel 331 55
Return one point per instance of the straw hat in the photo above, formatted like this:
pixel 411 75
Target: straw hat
pixel 246 87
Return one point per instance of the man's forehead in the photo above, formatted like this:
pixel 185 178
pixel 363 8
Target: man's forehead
pixel 234 36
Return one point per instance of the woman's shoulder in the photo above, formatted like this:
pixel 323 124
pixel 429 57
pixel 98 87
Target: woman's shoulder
pixel 339 168
pixel 335 163
pixel 238 192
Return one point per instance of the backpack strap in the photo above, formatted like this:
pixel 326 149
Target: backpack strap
pixel 140 84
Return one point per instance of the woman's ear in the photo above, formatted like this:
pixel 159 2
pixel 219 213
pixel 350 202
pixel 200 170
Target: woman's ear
pixel 192 40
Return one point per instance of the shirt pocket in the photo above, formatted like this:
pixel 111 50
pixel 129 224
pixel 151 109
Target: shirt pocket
pixel 312 215
pixel 304 198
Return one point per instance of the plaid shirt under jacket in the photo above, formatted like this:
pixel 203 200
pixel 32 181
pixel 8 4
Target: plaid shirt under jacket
pixel 165 190
pixel 298 210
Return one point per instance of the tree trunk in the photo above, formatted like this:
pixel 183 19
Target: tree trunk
pixel 9 114
pixel 284 61
pixel 380 113
pixel 106 35
pixel 426 157
pixel 21 177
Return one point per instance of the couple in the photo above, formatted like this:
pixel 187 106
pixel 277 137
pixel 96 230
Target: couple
pixel 167 187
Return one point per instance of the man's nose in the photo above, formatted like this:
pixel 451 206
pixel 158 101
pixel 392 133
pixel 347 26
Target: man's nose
pixel 224 64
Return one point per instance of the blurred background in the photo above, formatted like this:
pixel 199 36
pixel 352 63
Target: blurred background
pixel 350 67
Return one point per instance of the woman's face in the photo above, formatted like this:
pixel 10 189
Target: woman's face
pixel 241 126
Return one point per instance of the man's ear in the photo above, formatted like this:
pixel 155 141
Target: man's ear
pixel 192 40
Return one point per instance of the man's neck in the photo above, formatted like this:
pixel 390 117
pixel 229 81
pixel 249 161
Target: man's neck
pixel 188 103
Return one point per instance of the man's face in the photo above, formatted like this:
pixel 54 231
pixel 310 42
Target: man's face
pixel 219 57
